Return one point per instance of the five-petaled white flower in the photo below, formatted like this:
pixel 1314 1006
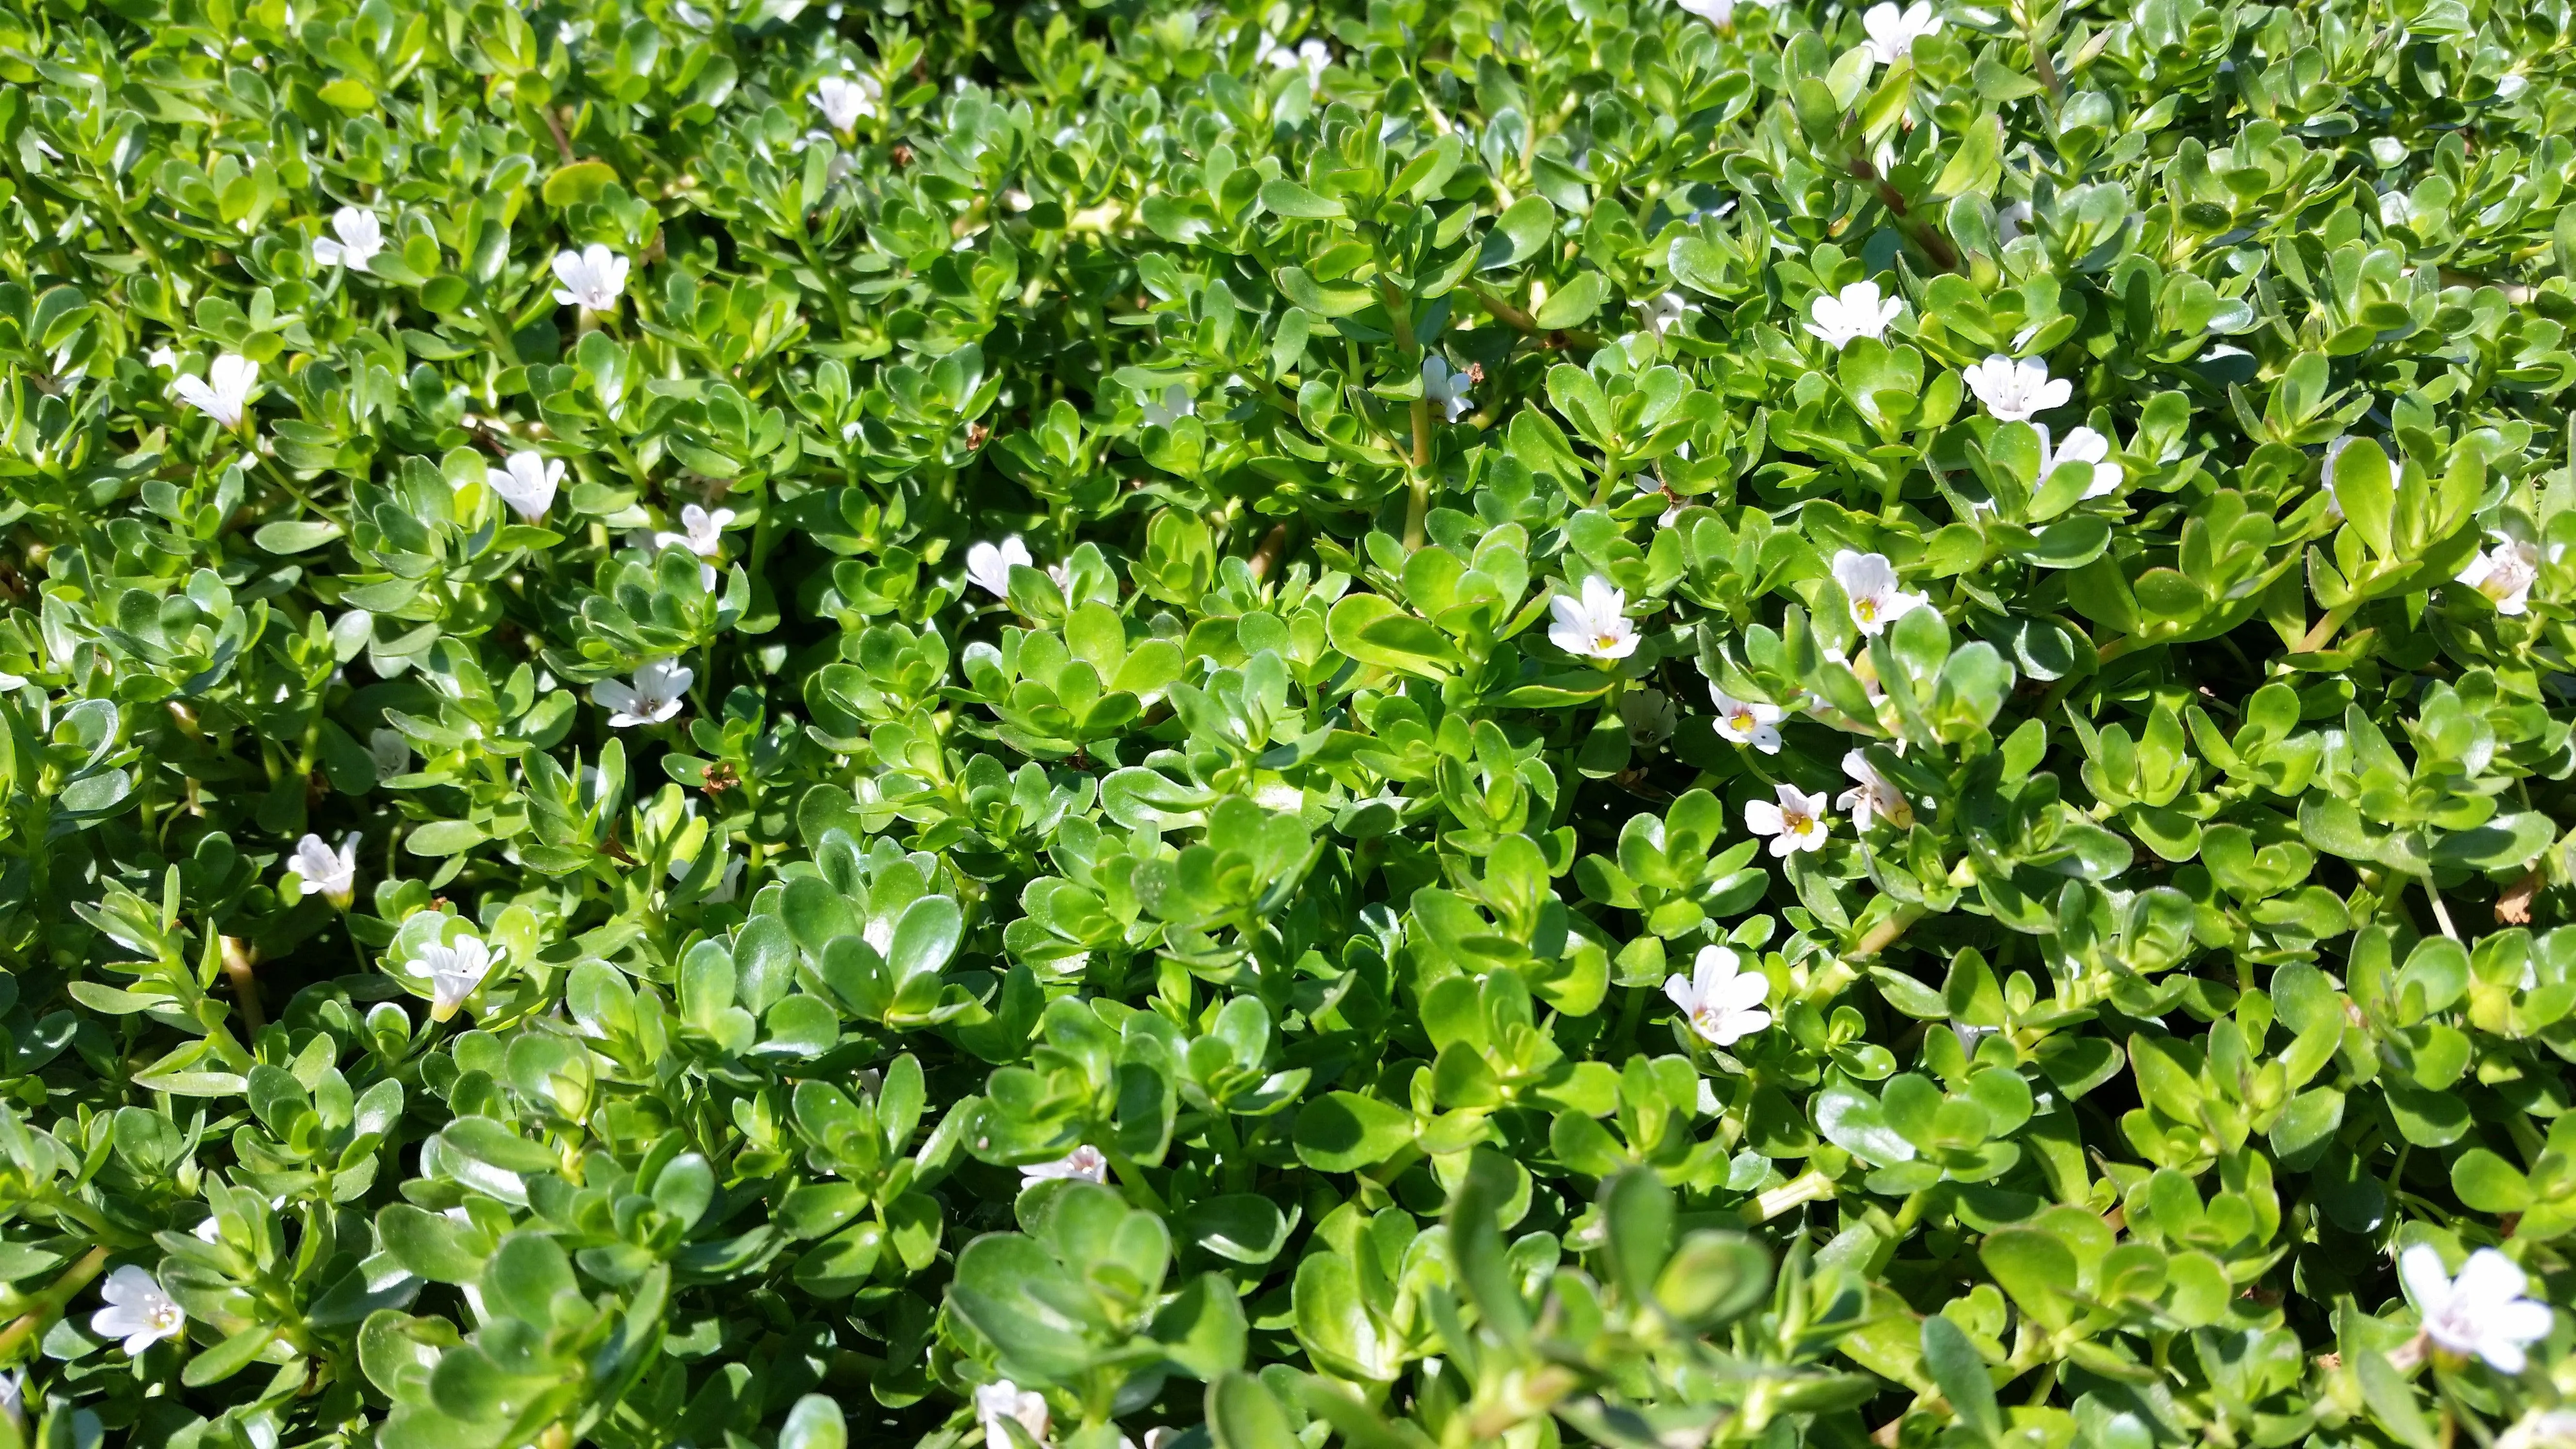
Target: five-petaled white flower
pixel 1872 795
pixel 1720 13
pixel 1002 1402
pixel 2015 392
pixel 701 533
pixel 1892 32
pixel 1445 388
pixel 1869 582
pixel 843 99
pixel 334 873
pixel 1664 310
pixel 1596 625
pixel 1722 1000
pixel 2482 1312
pixel 361 236
pixel 652 698
pixel 1796 822
pixel 989 565
pixel 2505 574
pixel 592 278
pixel 1087 1163
pixel 224 392
pixel 527 482
pixel 1747 722
pixel 1855 312
pixel 137 1311
pixel 1174 404
pixel 454 971
pixel 2082 445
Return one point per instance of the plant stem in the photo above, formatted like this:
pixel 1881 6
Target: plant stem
pixel 50 1302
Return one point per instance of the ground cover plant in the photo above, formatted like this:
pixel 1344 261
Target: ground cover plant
pixel 1397 725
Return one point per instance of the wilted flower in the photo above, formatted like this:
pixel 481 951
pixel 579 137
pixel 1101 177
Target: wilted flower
pixel 1892 32
pixel 2016 391
pixel 1722 1000
pixel 390 751
pixel 653 697
pixel 361 236
pixel 1445 388
pixel 527 482
pixel 2505 574
pixel 2481 1313
pixel 1088 1163
pixel 592 278
pixel 1662 311
pixel 1869 582
pixel 727 884
pixel 989 565
pixel 1649 715
pixel 2082 445
pixel 1003 1402
pixel 454 971
pixel 1596 626
pixel 1855 312
pixel 1747 722
pixel 332 873
pixel 137 1311
pixel 224 393
pixel 843 99
pixel 1797 822
pixel 1872 796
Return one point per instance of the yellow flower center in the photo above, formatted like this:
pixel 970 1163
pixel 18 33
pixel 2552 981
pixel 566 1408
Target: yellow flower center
pixel 1865 609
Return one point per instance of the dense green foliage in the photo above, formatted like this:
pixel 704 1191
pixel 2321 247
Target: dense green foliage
pixel 1501 722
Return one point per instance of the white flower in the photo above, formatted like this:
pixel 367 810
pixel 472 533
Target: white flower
pixel 989 565
pixel 1796 823
pixel 224 393
pixel 1744 722
pixel 137 1311
pixel 2482 1312
pixel 702 533
pixel 1649 715
pixel 1872 795
pixel 2505 574
pixel 2011 221
pixel 453 971
pixel 592 278
pixel 1869 581
pixel 1855 312
pixel 162 359
pixel 333 873
pixel 1720 13
pixel 1662 312
pixel 843 99
pixel 1721 998
pixel 13 1400
pixel 1448 389
pixel 1001 1402
pixel 1088 1163
pixel 2082 445
pixel 691 16
pixel 1596 626
pixel 361 237
pixel 527 482
pixel 1174 405
pixel 1892 32
pixel 2015 391
pixel 651 699
pixel 2334 503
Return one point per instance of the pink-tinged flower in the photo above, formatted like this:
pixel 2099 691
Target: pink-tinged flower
pixel 2505 574
pixel 137 1311
pixel 1872 796
pixel 1085 1163
pixel 2481 1313
pixel 1722 1000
